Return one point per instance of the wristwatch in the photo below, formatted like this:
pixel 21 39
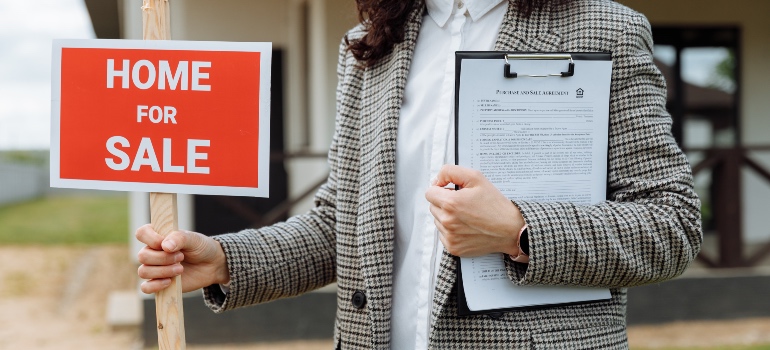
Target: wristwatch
pixel 523 254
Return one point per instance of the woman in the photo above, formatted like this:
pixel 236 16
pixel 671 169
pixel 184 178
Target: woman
pixel 388 238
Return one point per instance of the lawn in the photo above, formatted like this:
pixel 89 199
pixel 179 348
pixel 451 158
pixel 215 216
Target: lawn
pixel 76 219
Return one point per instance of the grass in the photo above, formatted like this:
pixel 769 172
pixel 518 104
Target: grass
pixel 65 220
pixel 39 157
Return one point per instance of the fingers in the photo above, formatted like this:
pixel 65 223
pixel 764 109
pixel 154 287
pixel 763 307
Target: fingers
pixel 444 241
pixel 149 272
pixel 438 195
pixel 149 256
pixel 443 197
pixel 154 286
pixel 450 239
pixel 443 232
pixel 457 175
pixel 147 235
pixel 442 217
pixel 161 258
pixel 451 242
pixel 174 242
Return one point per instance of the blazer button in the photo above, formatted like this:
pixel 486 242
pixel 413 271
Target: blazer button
pixel 358 300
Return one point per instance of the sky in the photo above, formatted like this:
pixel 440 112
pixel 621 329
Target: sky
pixel 27 28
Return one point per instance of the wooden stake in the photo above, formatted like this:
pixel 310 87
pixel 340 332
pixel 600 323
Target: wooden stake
pixel 168 302
pixel 156 25
pixel 156 20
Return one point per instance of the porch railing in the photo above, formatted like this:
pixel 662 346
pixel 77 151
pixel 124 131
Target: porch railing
pixel 726 165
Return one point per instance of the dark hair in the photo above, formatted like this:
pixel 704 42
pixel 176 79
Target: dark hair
pixel 384 22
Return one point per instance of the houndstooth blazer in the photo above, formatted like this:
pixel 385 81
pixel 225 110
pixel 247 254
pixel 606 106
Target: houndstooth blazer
pixel 649 230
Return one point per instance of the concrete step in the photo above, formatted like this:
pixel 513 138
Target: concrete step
pixel 124 310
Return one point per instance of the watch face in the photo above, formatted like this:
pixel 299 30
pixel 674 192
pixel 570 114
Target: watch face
pixel 524 241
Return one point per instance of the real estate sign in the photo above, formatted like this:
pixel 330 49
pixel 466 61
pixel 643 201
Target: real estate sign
pixel 161 116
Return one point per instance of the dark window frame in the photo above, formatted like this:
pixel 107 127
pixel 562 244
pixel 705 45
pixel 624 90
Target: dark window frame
pixel 693 36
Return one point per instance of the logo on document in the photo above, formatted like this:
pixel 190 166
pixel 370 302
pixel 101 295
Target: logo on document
pixel 579 93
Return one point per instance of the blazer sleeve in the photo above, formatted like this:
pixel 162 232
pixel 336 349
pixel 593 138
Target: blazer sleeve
pixel 285 259
pixel 649 230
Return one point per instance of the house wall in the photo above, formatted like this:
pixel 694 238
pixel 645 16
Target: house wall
pixel 751 17
pixel 19 182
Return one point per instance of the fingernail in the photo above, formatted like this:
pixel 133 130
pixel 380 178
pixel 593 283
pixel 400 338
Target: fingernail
pixel 176 270
pixel 169 246
pixel 166 282
pixel 179 257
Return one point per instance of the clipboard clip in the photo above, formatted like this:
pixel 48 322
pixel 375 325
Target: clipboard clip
pixel 537 56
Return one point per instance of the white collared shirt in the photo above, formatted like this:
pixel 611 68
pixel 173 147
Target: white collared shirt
pixel 424 144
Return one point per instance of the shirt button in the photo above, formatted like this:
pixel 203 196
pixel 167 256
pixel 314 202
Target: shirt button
pixel 358 300
pixel 460 5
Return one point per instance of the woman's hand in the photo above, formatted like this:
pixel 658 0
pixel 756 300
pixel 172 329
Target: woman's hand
pixel 475 220
pixel 199 259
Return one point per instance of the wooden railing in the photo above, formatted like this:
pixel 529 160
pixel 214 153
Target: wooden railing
pixel 281 210
pixel 726 165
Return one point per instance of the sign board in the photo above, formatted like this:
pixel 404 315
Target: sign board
pixel 161 116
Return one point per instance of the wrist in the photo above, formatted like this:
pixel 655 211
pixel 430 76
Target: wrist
pixel 222 273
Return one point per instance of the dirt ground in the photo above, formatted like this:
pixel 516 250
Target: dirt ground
pixel 54 298
pixel 43 307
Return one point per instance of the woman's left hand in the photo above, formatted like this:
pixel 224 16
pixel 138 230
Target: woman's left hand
pixel 475 220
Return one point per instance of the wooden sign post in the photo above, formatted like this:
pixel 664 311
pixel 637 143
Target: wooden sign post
pixel 168 302
pixel 169 311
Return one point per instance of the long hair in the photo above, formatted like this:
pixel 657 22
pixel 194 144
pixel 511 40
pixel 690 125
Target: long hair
pixel 384 22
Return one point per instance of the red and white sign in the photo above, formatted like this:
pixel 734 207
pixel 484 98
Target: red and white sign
pixel 161 116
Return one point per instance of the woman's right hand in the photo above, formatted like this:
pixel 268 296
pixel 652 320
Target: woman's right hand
pixel 198 258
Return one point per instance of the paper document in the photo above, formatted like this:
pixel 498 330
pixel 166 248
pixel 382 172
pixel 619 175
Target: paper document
pixel 536 139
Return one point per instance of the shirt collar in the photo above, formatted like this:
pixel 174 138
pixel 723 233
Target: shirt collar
pixel 441 10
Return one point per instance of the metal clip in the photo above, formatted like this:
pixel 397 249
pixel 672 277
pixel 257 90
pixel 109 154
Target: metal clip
pixel 536 56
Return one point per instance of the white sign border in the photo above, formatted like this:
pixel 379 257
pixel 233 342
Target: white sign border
pixel 265 48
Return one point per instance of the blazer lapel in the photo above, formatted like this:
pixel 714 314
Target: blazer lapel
pixel 533 33
pixel 517 33
pixel 383 90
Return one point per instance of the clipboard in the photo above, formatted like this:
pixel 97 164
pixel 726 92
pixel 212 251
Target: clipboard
pixel 508 63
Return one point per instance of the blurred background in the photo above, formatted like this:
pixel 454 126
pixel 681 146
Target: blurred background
pixel 67 257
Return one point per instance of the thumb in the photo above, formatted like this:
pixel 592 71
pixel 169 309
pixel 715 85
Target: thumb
pixel 457 175
pixel 178 240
